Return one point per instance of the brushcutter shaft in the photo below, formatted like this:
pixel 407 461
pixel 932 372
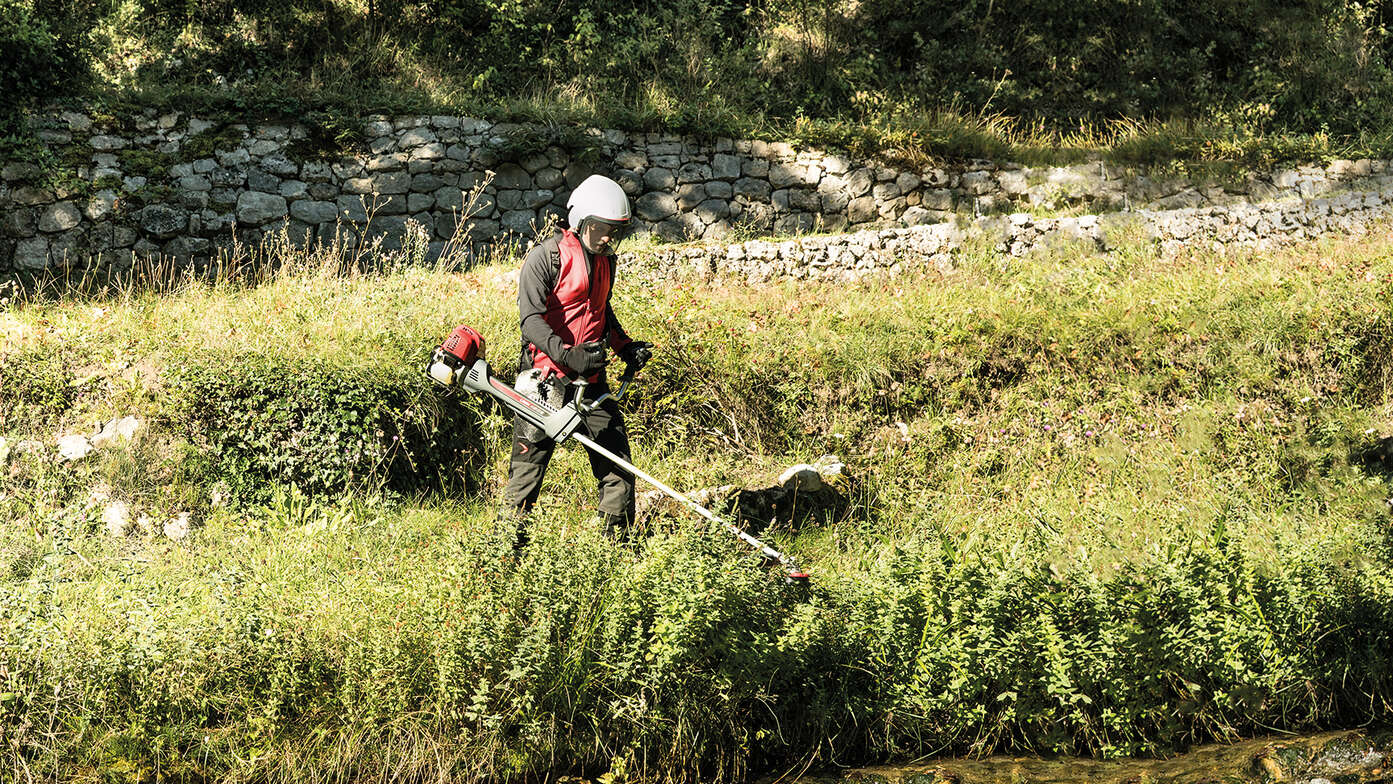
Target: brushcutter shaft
pixel 763 548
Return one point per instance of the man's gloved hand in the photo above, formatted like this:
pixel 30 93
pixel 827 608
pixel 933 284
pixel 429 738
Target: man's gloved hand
pixel 587 359
pixel 637 354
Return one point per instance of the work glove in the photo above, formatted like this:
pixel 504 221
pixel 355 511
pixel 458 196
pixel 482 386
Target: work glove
pixel 587 359
pixel 636 354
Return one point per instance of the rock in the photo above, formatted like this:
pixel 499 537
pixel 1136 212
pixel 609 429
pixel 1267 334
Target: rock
pixel 73 448
pixel 861 210
pixel 178 528
pixel 416 137
pixel 76 122
pixel 116 518
pixel 116 431
pixel 102 142
pixel 725 167
pixel 255 208
pixel 314 211
pixel 656 206
pixel 162 221
pixel 60 217
pixel 916 216
pixel 801 478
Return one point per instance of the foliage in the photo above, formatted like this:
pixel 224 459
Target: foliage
pixel 35 388
pixel 35 59
pixel 1110 504
pixel 272 423
pixel 924 75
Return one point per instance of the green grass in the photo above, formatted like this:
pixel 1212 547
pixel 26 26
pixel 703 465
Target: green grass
pixel 1101 505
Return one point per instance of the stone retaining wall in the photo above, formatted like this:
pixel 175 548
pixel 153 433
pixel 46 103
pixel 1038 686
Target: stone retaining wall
pixel 182 187
pixel 868 252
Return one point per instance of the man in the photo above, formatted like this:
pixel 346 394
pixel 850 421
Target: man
pixel 567 323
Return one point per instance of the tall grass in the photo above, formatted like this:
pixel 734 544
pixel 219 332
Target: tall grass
pixel 1102 505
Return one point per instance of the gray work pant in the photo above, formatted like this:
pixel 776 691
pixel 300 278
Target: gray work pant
pixel 530 458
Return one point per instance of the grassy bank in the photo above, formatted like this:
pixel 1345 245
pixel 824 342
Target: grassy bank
pixel 1103 505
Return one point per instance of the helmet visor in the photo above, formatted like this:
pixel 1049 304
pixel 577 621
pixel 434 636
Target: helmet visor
pixel 615 230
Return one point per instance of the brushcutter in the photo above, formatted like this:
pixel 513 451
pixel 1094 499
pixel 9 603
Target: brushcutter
pixel 459 362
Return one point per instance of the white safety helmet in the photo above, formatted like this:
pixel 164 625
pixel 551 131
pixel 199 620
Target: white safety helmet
pixel 599 198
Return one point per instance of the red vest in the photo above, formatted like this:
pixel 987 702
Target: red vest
pixel 576 307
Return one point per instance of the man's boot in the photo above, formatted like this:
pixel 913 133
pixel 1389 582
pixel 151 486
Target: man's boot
pixel 510 517
pixel 617 527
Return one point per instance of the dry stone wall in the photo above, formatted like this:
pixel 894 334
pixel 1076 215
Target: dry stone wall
pixel 859 254
pixel 183 187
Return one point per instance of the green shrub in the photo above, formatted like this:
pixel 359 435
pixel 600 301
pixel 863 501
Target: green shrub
pixel 34 60
pixel 34 390
pixel 267 422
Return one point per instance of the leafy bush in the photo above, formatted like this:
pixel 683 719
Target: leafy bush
pixel 34 389
pixel 268 422
pixel 34 60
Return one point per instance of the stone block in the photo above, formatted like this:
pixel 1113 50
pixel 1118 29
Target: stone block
pixel 386 163
pixel 313 211
pixel 104 142
pixel 630 181
pixel 18 223
pixel 520 222
pixel 859 182
pixel 656 206
pixel 712 210
pixel 549 178
pixel 524 200
pixel 280 165
pixel 693 173
pixel 353 209
pixel 233 157
pixel 394 204
pixel 192 200
pixel 534 162
pixel 719 189
pixel 415 137
pixel 511 176
pixel 690 195
pixel 162 221
pixel 263 181
pixel 29 196
pixel 755 167
pixel 752 188
pixel 725 167
pixel 426 183
pixel 884 191
pixel 262 147
pixel 784 175
pixel 294 189
pixel 255 208
pixel 861 210
pixel 630 159
pixel 806 200
pixel 428 152
pixel 834 203
pixel 60 217
pixel 31 254
pixel 659 179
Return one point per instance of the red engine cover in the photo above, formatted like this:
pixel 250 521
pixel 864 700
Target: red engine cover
pixel 465 344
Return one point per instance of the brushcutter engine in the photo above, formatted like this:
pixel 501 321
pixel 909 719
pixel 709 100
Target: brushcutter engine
pixel 459 361
pixel 459 351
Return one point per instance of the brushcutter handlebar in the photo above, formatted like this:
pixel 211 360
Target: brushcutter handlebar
pixel 558 424
pixel 586 406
